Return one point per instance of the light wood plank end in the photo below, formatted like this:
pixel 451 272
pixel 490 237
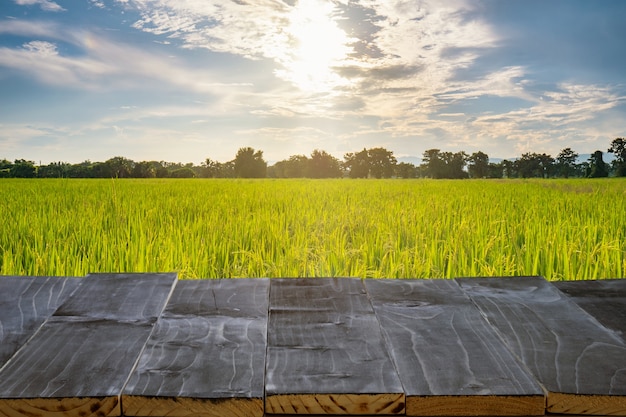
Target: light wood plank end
pixel 594 405
pixel 141 406
pixel 317 404
pixel 475 405
pixel 61 407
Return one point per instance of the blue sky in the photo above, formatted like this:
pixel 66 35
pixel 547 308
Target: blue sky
pixel 186 80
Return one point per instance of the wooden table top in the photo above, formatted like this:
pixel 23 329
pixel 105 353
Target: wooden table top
pixel 153 345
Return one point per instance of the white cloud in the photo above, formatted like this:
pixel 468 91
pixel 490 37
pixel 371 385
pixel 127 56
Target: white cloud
pixel 46 5
pixel 251 30
pixel 41 48
pixel 40 60
pixel 97 4
pixel 102 63
pixel 30 28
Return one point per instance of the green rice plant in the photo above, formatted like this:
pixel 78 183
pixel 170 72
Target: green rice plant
pixel 561 229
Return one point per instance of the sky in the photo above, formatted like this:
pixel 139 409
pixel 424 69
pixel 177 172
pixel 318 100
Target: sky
pixel 186 80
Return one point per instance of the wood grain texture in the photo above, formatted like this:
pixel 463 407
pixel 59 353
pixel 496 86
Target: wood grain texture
pixel 335 404
pixel 450 360
pixel 206 356
pixel 78 364
pixel 25 303
pixel 326 353
pixel 60 407
pixel 603 299
pixel 581 364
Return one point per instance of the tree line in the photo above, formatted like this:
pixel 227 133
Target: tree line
pixel 368 163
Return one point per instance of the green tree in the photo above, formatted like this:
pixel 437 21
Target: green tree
pixel 597 167
pixel 54 170
pixel 81 170
pixel 185 172
pixel 434 166
pixel 323 165
pixel 297 166
pixel 381 162
pixel 159 169
pixel 357 164
pixel 144 169
pixel 534 165
pixel 566 162
pixel 249 163
pixel 454 164
pixel 496 170
pixel 5 168
pixel 212 168
pixel 406 170
pixel 509 169
pixel 23 169
pixel 618 148
pixel 119 167
pixel 478 165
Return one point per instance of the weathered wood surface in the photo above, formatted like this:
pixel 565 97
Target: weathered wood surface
pixel 80 359
pixel 206 356
pixel 25 304
pixel 138 298
pixel 581 364
pixel 326 353
pixel 450 360
pixel 74 344
pixel 603 299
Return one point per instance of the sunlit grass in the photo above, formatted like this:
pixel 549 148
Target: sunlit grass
pixel 561 229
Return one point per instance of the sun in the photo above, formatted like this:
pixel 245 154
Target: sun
pixel 318 46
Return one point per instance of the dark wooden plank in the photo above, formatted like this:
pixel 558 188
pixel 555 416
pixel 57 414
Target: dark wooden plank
pixel 450 360
pixel 77 365
pixel 25 303
pixel 581 364
pixel 326 353
pixel 604 299
pixel 124 297
pixel 206 356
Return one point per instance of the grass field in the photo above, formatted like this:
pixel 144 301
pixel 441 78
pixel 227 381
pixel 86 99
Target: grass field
pixel 561 229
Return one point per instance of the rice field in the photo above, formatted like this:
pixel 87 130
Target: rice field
pixel 561 229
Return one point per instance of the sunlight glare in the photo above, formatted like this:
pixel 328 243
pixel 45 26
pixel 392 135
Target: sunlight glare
pixel 318 46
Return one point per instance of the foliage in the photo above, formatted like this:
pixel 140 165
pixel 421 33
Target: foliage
pixel 597 167
pixel 566 162
pixel 618 147
pixel 439 164
pixel 323 165
pixel 381 162
pixel 368 163
pixel 183 173
pixel 406 170
pixel 23 169
pixel 249 163
pixel 478 165
pixel 357 164
pixel 561 229
pixel 297 166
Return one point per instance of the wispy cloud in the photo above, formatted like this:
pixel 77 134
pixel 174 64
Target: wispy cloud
pixel 46 5
pixel 101 64
pixel 559 114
